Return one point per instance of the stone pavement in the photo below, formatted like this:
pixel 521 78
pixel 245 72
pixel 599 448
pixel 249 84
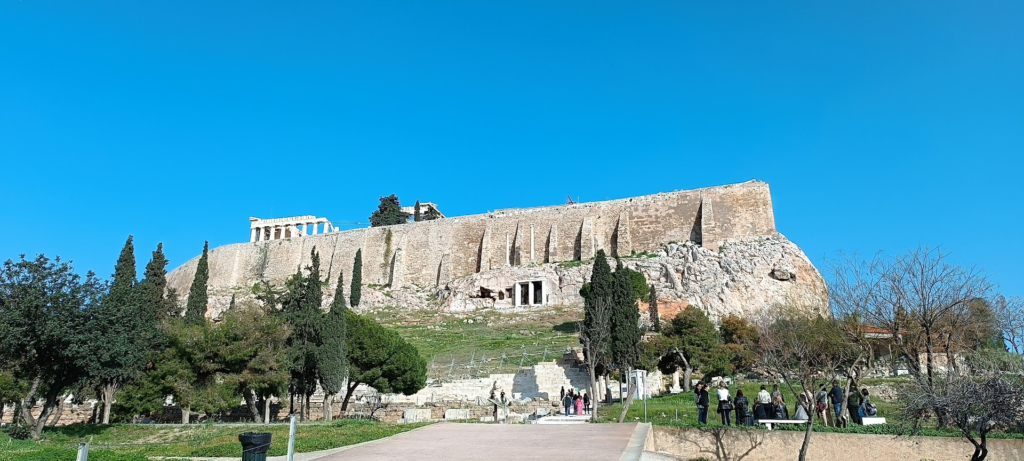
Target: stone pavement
pixel 521 442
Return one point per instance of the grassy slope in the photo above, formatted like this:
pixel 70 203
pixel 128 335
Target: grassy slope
pixel 442 338
pixel 136 442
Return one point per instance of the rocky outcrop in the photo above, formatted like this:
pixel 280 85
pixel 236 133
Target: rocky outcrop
pixel 744 277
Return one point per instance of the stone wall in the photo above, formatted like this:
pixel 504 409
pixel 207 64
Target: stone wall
pixel 711 443
pixel 431 253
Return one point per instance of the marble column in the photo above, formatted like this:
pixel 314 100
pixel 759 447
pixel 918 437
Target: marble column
pixel 518 293
pixel 529 299
pixel 252 235
pixel 316 228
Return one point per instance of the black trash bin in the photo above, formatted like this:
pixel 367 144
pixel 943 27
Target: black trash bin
pixel 254 445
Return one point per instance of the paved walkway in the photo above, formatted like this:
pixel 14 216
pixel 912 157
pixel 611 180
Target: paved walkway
pixel 465 442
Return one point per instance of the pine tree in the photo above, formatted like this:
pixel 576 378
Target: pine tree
pixel 416 217
pixel 388 213
pixel 357 279
pixel 653 309
pixel 331 362
pixel 154 283
pixel 195 308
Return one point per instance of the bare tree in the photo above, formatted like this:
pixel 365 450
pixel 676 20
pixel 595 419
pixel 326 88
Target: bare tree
pixel 975 405
pixel 1010 318
pixel 594 337
pixel 805 350
pixel 919 298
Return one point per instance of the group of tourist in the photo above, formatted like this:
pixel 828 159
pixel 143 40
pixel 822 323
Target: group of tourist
pixel 772 405
pixel 574 402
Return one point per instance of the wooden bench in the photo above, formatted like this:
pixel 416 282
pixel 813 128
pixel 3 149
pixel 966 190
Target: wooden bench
pixel 769 422
pixel 869 420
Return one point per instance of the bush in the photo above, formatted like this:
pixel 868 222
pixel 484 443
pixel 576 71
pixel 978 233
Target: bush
pixel 16 431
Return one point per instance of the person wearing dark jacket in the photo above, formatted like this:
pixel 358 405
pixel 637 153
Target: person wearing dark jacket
pixel 703 401
pixel 853 405
pixel 761 412
pixel 742 406
pixel 567 402
pixel 836 396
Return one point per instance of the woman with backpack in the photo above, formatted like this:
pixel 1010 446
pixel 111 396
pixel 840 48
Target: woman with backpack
pixel 742 406
pixel 867 407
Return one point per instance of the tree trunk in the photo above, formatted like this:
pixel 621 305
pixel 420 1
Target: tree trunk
pixel 37 427
pixel 108 400
pixel 29 401
pixel 629 397
pixel 250 401
pixel 186 413
pixel 57 413
pixel 266 410
pixel 328 407
pixel 813 412
pixel 687 373
pixel 348 394
pixel 591 367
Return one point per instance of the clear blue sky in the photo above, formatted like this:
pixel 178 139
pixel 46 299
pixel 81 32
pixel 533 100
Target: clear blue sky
pixel 879 125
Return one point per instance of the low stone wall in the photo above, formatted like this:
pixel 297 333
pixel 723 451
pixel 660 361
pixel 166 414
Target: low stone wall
pixel 734 444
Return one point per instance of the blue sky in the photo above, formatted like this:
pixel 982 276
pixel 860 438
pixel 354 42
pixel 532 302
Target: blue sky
pixel 880 126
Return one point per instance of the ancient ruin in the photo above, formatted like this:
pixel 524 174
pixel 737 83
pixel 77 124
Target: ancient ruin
pixel 716 248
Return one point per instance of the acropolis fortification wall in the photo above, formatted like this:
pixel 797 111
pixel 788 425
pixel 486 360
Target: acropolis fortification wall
pixel 432 253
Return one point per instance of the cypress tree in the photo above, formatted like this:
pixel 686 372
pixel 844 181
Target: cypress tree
pixel 416 217
pixel 601 282
pixel 331 361
pixel 231 305
pixel 625 321
pixel 306 319
pixel 195 308
pixel 653 309
pixel 154 283
pixel 357 279
pixel 122 288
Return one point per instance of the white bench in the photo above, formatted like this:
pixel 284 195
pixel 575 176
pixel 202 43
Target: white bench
pixel 869 420
pixel 768 422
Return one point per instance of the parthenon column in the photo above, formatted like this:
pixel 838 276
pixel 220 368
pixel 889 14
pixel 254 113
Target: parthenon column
pixel 252 235
pixel 316 228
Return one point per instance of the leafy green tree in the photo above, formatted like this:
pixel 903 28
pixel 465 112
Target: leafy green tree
pixel 331 361
pixel 652 304
pixel 44 310
pixel 195 310
pixel 416 216
pixel 695 336
pixel 192 368
pixel 638 284
pixel 357 279
pixel 10 391
pixel 254 357
pixel 121 330
pixel 431 213
pixel 740 337
pixel 380 358
pixel 388 213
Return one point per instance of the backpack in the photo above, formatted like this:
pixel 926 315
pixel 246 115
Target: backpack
pixel 870 409
pixel 821 406
pixel 741 406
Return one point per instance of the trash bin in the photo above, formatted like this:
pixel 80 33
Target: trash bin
pixel 254 445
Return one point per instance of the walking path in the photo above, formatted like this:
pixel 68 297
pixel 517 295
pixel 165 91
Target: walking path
pixel 466 442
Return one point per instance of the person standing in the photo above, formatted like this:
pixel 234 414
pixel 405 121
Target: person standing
pixel 586 403
pixel 821 404
pixel 742 406
pixel 579 405
pixel 562 394
pixel 868 408
pixel 779 410
pixel 495 402
pixel 724 403
pixel 801 412
pixel 853 405
pixel 703 400
pixel 836 396
pixel 567 402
